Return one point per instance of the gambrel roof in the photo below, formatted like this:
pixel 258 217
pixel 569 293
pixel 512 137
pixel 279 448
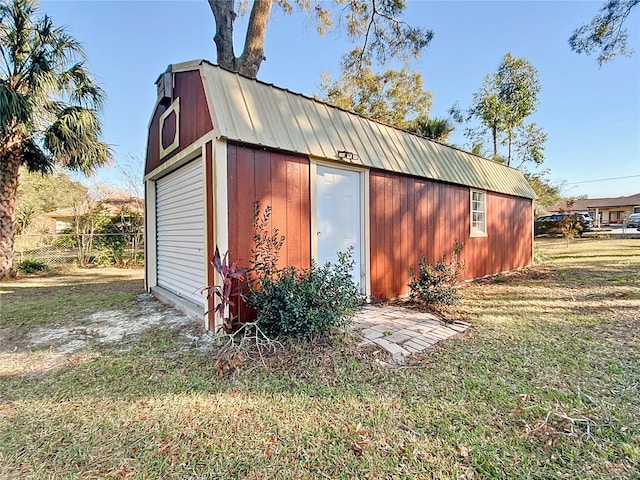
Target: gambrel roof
pixel 250 111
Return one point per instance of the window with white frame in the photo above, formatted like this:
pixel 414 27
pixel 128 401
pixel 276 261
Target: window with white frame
pixel 478 213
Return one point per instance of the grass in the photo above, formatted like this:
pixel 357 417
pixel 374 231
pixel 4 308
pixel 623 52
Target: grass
pixel 51 299
pixel 545 385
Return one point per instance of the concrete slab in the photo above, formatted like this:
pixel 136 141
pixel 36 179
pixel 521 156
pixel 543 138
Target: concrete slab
pixel 383 327
pixel 414 345
pixel 398 337
pixel 424 341
pixel 393 348
pixel 411 349
pixel 371 333
pixel 431 322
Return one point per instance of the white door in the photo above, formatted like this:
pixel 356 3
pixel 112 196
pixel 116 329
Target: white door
pixel 338 216
pixel 181 239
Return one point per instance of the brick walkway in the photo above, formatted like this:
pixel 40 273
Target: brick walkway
pixel 402 331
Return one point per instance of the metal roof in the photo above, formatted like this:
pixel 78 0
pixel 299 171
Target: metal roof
pixel 251 111
pixel 592 203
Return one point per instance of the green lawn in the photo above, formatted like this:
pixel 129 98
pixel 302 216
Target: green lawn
pixel 545 385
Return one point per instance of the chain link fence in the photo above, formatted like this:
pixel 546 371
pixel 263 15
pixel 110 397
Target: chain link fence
pixel 121 249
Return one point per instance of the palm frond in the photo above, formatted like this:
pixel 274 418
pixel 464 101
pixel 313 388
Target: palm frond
pixel 17 15
pixel 15 109
pixel 35 159
pixel 80 87
pixel 47 95
pixel 73 139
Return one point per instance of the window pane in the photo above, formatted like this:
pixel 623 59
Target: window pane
pixel 478 212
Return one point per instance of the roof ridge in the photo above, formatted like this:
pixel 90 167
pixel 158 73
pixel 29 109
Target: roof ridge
pixel 255 112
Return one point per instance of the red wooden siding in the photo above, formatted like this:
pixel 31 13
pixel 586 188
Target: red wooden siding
pixel 508 244
pixel 169 129
pixel 411 217
pixel 273 178
pixel 195 119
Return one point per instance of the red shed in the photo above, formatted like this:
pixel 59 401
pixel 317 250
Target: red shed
pixel 218 141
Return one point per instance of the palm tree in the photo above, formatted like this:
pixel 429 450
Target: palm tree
pixel 49 105
pixel 435 128
pixel 478 149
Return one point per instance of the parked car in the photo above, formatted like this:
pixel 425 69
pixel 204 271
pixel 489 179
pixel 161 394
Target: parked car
pixel 633 221
pixel 555 223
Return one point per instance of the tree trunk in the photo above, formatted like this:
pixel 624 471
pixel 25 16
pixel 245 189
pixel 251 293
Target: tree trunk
pixel 494 132
pixel 224 16
pixel 253 54
pixel 10 161
pixel 510 143
pixel 249 62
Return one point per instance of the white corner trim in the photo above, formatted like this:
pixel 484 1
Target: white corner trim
pixel 221 199
pixel 313 203
pixel 175 109
pixel 365 235
pixel 220 209
pixel 151 254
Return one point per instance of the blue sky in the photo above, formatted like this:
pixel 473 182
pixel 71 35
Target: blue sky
pixel 591 114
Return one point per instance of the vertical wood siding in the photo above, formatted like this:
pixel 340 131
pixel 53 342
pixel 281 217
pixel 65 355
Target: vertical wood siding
pixel 272 178
pixel 411 217
pixel 195 119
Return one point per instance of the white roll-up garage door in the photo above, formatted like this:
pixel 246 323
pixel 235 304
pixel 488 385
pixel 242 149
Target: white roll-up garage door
pixel 181 233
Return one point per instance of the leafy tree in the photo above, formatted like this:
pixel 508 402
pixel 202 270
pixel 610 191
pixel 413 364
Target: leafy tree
pixel 394 97
pixel 529 145
pixel 478 149
pixel 89 217
pixel 374 23
pixel 507 97
pixel 39 194
pixel 605 34
pixel 49 106
pixel 548 193
pixel 122 231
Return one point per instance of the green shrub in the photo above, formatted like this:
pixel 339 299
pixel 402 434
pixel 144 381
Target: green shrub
pixel 293 302
pixel 306 303
pixel 435 285
pixel 32 266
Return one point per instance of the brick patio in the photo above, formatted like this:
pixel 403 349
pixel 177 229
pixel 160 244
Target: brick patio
pixel 402 331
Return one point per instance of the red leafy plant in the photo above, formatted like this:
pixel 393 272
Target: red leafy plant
pixel 233 281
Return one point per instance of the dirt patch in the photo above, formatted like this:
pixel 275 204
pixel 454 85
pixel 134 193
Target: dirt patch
pixel 110 328
pixel 51 347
